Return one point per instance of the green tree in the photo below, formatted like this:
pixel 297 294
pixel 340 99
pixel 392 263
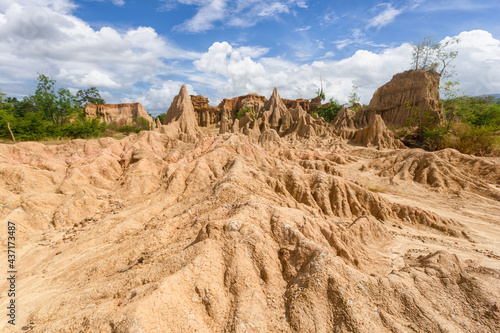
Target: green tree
pixel 161 116
pixel 478 111
pixel 430 55
pixel 320 92
pixel 66 105
pixel 90 95
pixel 424 54
pixel 244 110
pixel 22 107
pixel 354 96
pixel 45 97
pixel 329 111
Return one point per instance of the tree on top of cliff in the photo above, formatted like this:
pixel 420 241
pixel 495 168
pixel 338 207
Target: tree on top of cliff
pixel 429 55
pixel 90 95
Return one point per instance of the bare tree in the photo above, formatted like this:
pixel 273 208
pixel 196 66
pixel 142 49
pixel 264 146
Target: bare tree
pixel 445 56
pixel 431 56
pixel 424 54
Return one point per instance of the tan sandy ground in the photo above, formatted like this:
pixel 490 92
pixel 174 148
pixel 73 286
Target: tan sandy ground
pixel 152 234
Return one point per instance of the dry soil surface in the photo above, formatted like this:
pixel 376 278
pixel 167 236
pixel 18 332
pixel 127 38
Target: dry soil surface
pixel 152 234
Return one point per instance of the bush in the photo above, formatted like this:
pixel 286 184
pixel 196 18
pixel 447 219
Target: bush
pixel 477 111
pixel 473 140
pixel 83 128
pixel 329 111
pixel 142 124
pixel 32 127
pixel 434 137
pixel 244 110
pixel 161 116
pixel 127 129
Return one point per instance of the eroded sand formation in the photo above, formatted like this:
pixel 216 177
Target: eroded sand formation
pixel 119 114
pixel 282 223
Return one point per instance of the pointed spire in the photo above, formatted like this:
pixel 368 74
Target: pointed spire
pixel 181 114
pixel 277 108
pixel 181 104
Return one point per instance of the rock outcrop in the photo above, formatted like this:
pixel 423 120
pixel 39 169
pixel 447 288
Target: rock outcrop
pixel 445 170
pixel 119 114
pixel 206 115
pixel 409 93
pixel 224 125
pixel 230 107
pixel 275 115
pixel 180 119
pixel 276 108
pixel 308 106
pixel 364 127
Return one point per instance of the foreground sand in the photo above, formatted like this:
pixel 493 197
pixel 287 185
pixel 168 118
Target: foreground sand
pixel 152 234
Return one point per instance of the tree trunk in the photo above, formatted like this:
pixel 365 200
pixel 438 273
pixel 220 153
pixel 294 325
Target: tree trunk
pixel 11 134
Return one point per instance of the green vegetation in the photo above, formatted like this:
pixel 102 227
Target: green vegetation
pixel 354 97
pixel 52 113
pixel 471 125
pixel 432 56
pixel 49 113
pixel 320 93
pixel 244 110
pixel 330 110
pixel 139 124
pixel 429 55
pixel 90 95
pixel 161 116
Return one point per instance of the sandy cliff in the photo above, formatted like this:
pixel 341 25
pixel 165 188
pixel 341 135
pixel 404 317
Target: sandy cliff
pixel 118 114
pixel 408 95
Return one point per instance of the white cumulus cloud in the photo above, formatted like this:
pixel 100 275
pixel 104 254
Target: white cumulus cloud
pixel 158 99
pixel 45 37
pixel 231 74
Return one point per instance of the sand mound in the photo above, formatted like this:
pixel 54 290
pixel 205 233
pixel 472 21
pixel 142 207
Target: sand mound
pixel 445 170
pixel 238 233
pixel 376 135
pixel 364 127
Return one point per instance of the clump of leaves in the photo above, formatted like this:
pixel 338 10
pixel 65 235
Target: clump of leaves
pixel 330 110
pixel 354 97
pixel 244 110
pixel 473 140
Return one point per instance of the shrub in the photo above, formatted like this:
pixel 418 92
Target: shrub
pixel 142 124
pixel 127 129
pixel 330 110
pixel 83 128
pixel 477 111
pixel 161 116
pixel 473 140
pixel 244 110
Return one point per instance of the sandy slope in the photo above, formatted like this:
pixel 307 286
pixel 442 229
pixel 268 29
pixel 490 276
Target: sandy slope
pixel 153 234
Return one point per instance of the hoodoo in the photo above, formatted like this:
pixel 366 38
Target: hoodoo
pixel 180 118
pixel 119 114
pixel 408 94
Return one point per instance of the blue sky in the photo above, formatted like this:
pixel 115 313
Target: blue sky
pixel 143 51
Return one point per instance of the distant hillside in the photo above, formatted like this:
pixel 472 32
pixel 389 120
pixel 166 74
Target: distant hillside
pixel 494 95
